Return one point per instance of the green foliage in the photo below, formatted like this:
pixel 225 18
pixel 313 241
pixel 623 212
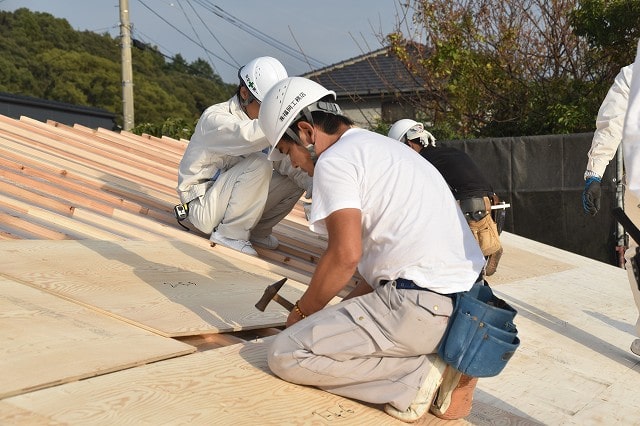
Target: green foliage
pixel 612 28
pixel 44 57
pixel 515 67
pixel 175 128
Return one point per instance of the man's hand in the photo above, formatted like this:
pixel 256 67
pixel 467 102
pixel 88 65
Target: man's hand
pixel 591 195
pixel 293 318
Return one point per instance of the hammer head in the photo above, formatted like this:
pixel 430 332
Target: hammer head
pixel 271 293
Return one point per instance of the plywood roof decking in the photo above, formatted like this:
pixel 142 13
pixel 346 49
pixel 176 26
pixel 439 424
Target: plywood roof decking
pixel 46 341
pixel 575 319
pixel 168 287
pixel 212 387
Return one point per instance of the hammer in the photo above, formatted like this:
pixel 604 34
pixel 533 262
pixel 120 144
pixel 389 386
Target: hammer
pixel 271 293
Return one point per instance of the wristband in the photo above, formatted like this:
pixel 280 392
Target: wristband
pixel 298 311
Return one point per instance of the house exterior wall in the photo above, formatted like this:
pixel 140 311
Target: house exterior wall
pixel 367 112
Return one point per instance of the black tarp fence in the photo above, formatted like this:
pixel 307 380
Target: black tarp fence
pixel 542 178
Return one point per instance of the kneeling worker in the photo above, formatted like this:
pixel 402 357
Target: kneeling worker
pixel 408 239
pixel 473 192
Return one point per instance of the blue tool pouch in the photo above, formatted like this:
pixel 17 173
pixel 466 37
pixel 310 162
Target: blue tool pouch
pixel 481 336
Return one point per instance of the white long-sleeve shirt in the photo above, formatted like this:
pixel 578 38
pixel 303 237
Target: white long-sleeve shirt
pixel 609 123
pixel 631 134
pixel 223 135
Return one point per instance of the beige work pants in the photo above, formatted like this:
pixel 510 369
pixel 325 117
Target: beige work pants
pixel 632 209
pixel 235 201
pixel 371 348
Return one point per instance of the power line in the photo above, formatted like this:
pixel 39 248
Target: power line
pixel 213 35
pixel 196 34
pixel 221 13
pixel 185 35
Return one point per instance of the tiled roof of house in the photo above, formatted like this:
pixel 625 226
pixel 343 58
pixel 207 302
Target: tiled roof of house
pixel 373 73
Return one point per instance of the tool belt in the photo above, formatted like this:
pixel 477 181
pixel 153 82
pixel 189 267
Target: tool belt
pixel 475 208
pixel 481 336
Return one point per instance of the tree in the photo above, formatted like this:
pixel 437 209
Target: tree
pixel 611 28
pixel 500 67
pixel 44 57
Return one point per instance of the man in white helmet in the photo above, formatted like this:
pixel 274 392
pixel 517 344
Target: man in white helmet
pixel 407 239
pixel 470 188
pixel 606 139
pixel 228 187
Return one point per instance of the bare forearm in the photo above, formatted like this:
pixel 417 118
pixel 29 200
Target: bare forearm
pixel 329 278
pixel 361 289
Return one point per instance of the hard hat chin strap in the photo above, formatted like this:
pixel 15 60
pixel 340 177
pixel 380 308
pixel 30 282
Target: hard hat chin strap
pixel 328 107
pixel 311 147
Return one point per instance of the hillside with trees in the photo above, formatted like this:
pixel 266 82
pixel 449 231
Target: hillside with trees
pixel 44 57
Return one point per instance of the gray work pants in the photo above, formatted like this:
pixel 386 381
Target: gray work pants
pixel 284 193
pixel 372 348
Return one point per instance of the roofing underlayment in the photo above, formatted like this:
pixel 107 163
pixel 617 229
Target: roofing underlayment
pixel 111 313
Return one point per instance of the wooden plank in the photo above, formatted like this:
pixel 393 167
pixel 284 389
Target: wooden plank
pixel 34 229
pixel 61 220
pixel 227 386
pixel 118 145
pixel 73 188
pixel 169 287
pixel 93 160
pixel 113 182
pixel 45 341
pixel 86 150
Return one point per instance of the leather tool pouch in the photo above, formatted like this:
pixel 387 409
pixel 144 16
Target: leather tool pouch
pixel 481 336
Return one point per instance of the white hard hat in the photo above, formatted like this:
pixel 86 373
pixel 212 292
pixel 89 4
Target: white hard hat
pixel 283 104
pixel 261 74
pixel 399 129
pixel 412 130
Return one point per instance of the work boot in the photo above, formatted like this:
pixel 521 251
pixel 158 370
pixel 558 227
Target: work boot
pixel 426 393
pixel 269 242
pixel 242 246
pixel 635 347
pixel 460 400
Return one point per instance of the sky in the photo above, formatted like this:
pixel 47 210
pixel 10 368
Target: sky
pixel 230 33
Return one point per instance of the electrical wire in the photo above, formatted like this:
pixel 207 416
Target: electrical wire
pixel 221 13
pixel 213 35
pixel 197 36
pixel 185 35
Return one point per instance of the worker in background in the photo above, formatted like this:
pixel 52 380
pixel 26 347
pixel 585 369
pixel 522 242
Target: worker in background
pixel 229 187
pixel 606 138
pixel 470 188
pixel 391 216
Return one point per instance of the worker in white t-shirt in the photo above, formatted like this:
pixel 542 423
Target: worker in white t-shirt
pixel 390 215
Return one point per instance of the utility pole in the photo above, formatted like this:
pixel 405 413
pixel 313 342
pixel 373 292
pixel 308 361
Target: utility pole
pixel 127 69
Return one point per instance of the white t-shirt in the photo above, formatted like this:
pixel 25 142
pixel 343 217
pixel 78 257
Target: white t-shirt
pixel 412 227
